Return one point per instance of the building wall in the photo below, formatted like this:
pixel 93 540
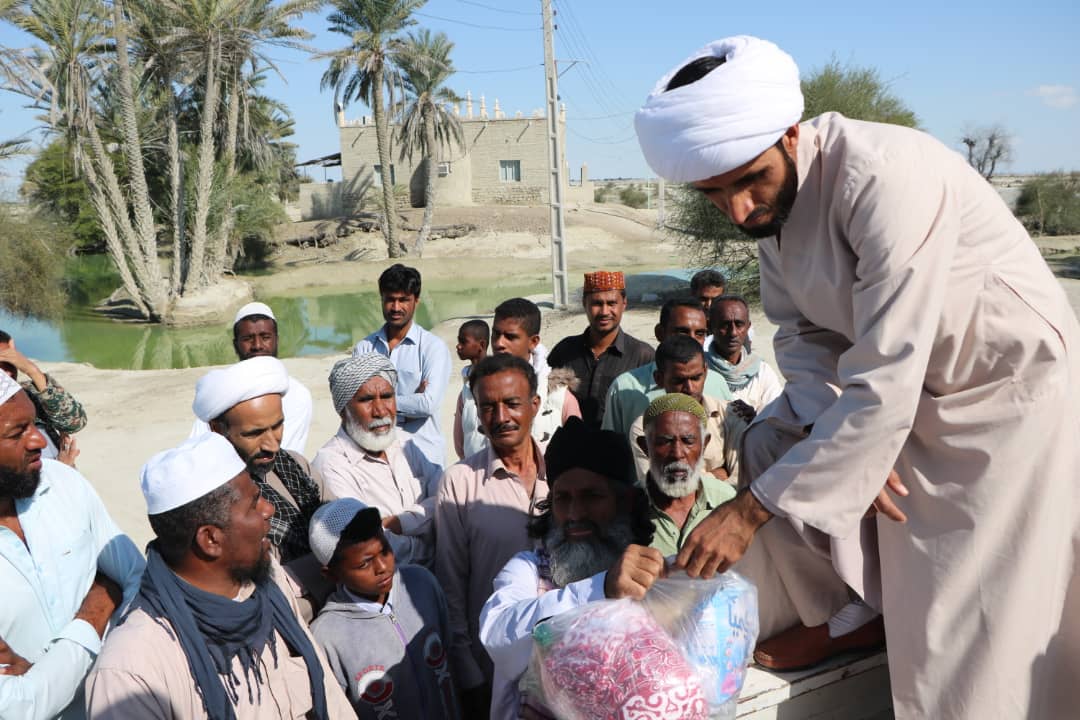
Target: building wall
pixel 474 176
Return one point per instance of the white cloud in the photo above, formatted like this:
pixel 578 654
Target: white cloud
pixel 1056 96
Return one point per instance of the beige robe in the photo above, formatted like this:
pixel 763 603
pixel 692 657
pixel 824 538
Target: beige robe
pixel 902 279
pixel 142 672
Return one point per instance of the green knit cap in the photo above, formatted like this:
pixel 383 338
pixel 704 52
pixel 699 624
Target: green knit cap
pixel 674 402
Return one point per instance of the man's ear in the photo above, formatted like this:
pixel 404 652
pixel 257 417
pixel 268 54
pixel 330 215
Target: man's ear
pixel 658 377
pixel 329 574
pixel 643 444
pixel 534 340
pixel 219 426
pixel 790 142
pixel 209 541
pixel 658 332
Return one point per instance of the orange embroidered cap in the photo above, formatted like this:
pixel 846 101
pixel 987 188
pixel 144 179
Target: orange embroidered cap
pixel 602 280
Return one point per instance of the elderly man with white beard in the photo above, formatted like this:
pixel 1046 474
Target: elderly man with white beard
pixel 367 459
pixel 592 535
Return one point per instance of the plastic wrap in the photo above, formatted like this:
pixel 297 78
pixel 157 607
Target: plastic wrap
pixel 681 654
pixel 715 624
pixel 611 660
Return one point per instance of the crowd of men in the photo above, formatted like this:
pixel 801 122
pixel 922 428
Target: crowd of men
pixel 862 488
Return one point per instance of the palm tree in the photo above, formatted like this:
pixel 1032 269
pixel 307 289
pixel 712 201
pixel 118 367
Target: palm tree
pixel 360 71
pixel 426 126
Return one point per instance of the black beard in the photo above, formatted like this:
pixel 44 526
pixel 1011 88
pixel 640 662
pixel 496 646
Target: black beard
pixel 258 574
pixel 782 204
pixel 19 486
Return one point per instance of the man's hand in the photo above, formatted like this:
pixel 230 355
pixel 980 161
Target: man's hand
pixel 393 524
pixel 719 473
pixel 16 664
pixel 720 540
pixel 884 503
pixel 8 354
pixel 743 410
pixel 634 573
pixel 69 450
pixel 421 387
pixel 100 603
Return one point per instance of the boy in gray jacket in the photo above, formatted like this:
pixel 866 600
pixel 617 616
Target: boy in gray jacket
pixel 384 628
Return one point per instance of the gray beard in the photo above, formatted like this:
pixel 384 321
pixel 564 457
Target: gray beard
pixel 367 440
pixel 676 489
pixel 579 559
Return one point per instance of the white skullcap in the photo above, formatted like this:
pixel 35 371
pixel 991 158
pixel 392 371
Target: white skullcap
pixel 8 387
pixel 196 467
pixel 727 118
pixel 218 390
pixel 254 308
pixel 327 524
pixel 348 375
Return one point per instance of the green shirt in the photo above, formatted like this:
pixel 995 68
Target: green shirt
pixel 667 536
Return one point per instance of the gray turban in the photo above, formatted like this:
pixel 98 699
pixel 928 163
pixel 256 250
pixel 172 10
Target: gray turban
pixel 348 375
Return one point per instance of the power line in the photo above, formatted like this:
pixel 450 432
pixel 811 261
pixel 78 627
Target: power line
pixel 602 141
pixel 475 25
pixel 496 9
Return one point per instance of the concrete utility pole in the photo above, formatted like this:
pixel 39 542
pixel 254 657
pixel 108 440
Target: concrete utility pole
pixel 555 165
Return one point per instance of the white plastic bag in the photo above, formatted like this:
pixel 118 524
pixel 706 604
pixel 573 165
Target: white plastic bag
pixel 715 624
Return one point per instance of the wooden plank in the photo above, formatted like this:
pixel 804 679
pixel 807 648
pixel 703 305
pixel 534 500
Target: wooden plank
pixel 848 687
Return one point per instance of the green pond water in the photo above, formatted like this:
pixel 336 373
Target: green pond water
pixel 308 324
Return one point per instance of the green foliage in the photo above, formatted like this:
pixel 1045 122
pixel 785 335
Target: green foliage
pixel 707 235
pixel 1050 204
pixel 855 92
pixel 599 194
pixel 33 253
pixel 632 196
pixel 52 183
pixel 256 212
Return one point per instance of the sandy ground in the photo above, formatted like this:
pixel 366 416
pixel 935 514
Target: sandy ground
pixel 133 414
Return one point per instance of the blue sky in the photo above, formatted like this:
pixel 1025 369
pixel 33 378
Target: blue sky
pixel 955 64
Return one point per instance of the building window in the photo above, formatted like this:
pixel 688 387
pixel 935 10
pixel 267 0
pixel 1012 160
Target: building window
pixel 444 169
pixel 378 176
pixel 510 170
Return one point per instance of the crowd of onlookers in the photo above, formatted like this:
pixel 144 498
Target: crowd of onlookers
pixel 376 579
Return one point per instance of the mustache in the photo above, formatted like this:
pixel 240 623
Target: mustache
pixel 503 426
pixel 677 466
pixel 379 422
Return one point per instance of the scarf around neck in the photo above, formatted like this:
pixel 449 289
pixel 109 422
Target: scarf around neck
pixel 737 376
pixel 214 630
pixel 289 525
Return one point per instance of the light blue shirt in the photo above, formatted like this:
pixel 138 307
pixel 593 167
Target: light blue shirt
pixel 420 356
pixel 630 394
pixel 511 613
pixel 70 537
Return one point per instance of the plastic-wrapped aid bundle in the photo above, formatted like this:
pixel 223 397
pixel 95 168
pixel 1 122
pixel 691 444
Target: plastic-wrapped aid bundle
pixel 715 624
pixel 613 661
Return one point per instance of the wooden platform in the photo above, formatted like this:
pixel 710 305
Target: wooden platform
pixel 849 687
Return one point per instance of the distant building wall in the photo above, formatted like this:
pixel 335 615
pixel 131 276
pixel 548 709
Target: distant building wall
pixel 505 161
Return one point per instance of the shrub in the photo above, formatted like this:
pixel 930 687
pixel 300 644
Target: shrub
pixel 1050 204
pixel 33 255
pixel 633 197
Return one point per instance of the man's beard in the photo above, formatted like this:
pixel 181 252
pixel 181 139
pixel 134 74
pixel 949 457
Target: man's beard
pixel 573 560
pixel 781 204
pixel 373 442
pixel 258 573
pixel 672 488
pixel 260 470
pixel 19 486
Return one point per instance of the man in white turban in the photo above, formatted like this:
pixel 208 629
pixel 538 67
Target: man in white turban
pixel 243 403
pixel 255 334
pixel 919 329
pixel 65 568
pixel 370 460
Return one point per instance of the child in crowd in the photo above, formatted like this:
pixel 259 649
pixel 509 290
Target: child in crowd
pixel 472 347
pixel 384 628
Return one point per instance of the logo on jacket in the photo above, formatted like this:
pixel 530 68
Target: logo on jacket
pixel 375 687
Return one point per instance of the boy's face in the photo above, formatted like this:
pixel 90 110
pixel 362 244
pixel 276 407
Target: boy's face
pixel 366 569
pixel 508 336
pixel 470 347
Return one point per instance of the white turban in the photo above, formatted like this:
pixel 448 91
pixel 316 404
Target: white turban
pixel 727 118
pixel 254 308
pixel 8 387
pixel 349 375
pixel 196 467
pixel 218 390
